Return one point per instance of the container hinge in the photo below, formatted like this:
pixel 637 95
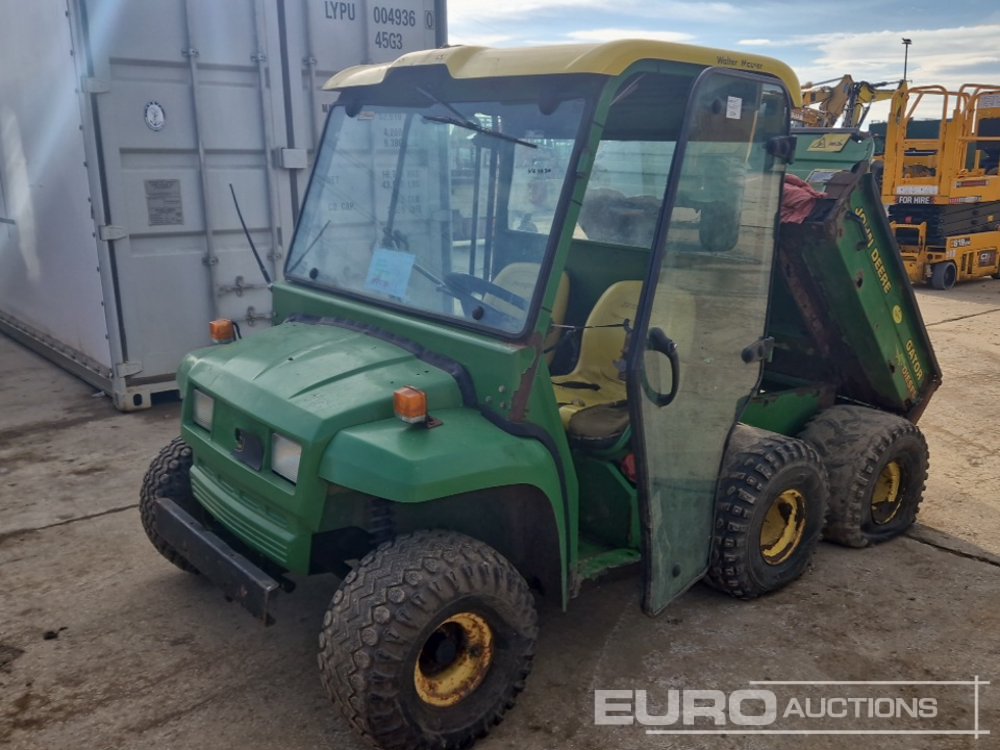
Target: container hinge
pixel 209 260
pixel 124 369
pixel 238 286
pixel 259 57
pixel 253 316
pixel 92 85
pixel 111 232
pixel 190 52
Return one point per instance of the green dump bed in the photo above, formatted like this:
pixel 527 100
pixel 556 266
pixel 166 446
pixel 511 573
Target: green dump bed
pixel 843 270
pixel 822 152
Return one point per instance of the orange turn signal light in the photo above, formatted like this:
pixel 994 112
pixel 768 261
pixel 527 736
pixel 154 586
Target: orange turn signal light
pixel 222 331
pixel 410 404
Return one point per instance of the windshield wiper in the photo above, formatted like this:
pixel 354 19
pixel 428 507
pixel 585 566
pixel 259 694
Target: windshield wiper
pixel 470 125
pixel 464 122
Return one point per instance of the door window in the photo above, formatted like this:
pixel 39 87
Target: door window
pixel 705 300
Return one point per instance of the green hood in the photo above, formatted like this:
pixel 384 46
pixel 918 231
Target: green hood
pixel 310 380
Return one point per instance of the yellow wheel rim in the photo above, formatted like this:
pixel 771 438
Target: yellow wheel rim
pixel 887 495
pixel 784 526
pixel 454 660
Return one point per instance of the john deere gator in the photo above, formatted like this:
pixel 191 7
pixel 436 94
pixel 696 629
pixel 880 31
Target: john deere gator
pixel 540 320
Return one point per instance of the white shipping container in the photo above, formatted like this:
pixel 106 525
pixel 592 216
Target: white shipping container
pixel 122 125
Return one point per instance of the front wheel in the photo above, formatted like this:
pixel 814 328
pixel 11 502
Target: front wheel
pixel 168 475
pixel 770 507
pixel 428 641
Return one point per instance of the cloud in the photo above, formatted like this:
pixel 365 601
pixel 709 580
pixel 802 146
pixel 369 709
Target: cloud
pixel 948 57
pixel 516 20
pixel 608 35
pixel 683 11
pixel 487 40
pixel 937 56
pixel 965 51
pixel 933 54
pixel 461 11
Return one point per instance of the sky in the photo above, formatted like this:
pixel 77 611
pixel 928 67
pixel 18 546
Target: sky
pixel 953 41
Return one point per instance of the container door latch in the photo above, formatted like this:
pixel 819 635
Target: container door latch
pixel 111 232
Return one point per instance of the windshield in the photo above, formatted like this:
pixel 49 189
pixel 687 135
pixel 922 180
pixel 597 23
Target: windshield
pixel 439 208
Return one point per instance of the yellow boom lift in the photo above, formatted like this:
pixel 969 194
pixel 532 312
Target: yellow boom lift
pixel 825 102
pixel 942 189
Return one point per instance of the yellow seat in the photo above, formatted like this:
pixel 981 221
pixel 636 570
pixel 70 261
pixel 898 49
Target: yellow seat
pixel 520 279
pixel 596 378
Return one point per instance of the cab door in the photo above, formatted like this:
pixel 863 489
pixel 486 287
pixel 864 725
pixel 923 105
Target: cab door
pixel 698 346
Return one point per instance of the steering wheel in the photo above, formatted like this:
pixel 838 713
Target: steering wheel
pixel 465 287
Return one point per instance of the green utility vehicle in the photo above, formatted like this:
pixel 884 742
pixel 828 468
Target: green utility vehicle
pixel 538 322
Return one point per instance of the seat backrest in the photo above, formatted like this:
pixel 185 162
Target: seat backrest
pixel 600 348
pixel 520 279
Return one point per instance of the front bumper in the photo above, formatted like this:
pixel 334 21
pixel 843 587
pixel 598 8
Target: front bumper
pixel 215 559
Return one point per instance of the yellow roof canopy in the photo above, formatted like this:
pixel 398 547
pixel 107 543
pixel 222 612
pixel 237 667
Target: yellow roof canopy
pixel 610 59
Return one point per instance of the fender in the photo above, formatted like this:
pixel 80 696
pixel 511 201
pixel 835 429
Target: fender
pixel 466 453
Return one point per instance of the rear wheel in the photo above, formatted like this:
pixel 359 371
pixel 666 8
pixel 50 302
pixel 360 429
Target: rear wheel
pixel 770 508
pixel 169 475
pixel 428 641
pixel 878 466
pixel 944 275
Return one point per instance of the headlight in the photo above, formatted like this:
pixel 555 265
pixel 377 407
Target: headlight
pixel 285 457
pixel 204 407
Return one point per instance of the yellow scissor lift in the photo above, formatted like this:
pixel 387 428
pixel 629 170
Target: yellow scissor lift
pixel 943 192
